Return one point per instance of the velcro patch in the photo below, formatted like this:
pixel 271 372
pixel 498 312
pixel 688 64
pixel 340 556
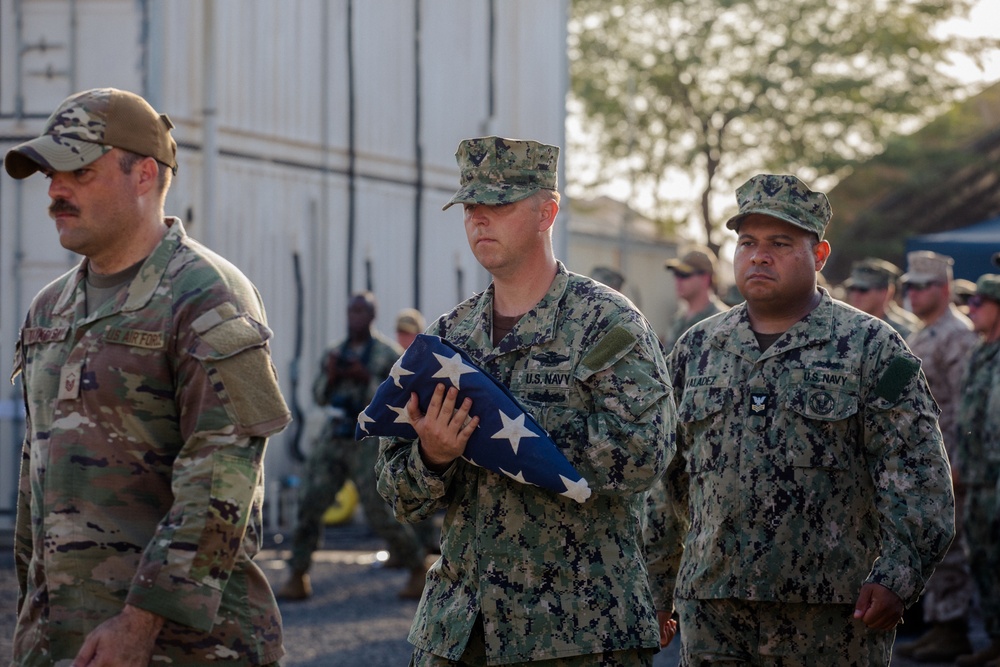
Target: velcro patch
pixel 614 343
pixel 895 378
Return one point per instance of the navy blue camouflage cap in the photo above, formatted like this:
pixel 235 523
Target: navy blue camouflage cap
pixel 783 197
pixel 87 125
pixel 988 285
pixel 498 171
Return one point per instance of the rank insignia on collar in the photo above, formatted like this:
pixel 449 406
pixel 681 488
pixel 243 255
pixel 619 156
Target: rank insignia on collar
pixel 758 401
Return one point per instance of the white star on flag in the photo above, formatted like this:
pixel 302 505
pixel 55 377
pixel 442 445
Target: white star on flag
pixel 401 415
pixel 452 368
pixel 364 419
pixel 513 430
pixel 398 372
pixel 533 458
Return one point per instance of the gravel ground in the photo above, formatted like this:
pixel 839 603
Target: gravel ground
pixel 354 617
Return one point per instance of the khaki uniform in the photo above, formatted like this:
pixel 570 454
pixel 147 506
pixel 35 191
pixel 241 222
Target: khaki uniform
pixel 142 471
pixel 548 577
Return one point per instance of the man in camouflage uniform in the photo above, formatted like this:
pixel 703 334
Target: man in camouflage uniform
pixel 150 395
pixel 978 454
pixel 349 375
pixel 943 345
pixel 872 289
pixel 694 278
pixel 527 575
pixel 810 495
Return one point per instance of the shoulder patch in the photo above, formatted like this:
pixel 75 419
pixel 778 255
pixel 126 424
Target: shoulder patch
pixel 614 343
pixel 895 378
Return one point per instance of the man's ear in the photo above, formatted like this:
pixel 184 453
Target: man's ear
pixel 148 172
pixel 821 252
pixel 548 210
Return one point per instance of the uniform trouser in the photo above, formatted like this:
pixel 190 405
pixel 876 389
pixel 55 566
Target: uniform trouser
pixel 949 592
pixel 475 656
pixel 982 526
pixel 777 634
pixel 330 464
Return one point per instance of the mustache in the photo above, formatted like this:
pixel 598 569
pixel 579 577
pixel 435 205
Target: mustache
pixel 62 206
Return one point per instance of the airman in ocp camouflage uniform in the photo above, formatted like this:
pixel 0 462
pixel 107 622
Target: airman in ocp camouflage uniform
pixel 810 495
pixel 525 574
pixel 978 452
pixel 150 395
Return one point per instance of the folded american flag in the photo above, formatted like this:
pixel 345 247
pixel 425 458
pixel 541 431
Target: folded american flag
pixel 507 441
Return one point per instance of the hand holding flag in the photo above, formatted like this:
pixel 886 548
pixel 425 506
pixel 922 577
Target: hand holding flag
pixel 508 440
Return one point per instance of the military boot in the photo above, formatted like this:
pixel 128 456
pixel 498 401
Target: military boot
pixel 983 657
pixel 298 587
pixel 907 649
pixel 950 641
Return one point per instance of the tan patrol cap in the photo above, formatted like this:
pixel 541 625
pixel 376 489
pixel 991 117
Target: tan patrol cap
pixel 89 124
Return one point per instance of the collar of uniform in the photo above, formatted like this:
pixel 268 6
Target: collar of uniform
pixel 473 333
pixel 142 287
pixel 735 336
pixel 140 290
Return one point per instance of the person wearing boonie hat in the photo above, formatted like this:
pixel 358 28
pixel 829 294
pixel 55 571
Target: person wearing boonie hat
pixel 978 444
pixel 943 344
pixel 791 408
pixel 150 395
pixel 582 360
pixel 871 288
pixel 694 280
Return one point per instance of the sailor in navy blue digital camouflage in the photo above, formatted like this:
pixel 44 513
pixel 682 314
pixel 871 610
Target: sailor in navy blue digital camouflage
pixel 150 395
pixel 810 496
pixel 527 575
pixel 978 453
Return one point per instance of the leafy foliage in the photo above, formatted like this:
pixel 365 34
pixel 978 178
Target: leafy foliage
pixel 718 90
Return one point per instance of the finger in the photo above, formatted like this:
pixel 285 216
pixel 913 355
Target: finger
pixel 413 409
pixel 434 406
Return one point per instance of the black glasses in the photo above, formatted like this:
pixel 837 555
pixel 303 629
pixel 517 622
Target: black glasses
pixel 684 274
pixel 977 301
pixel 859 290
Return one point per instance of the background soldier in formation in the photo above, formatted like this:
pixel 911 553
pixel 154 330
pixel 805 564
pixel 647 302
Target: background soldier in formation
pixel 943 345
pixel 525 574
pixel 978 453
pixel 150 395
pixel 350 372
pixel 694 278
pixel 810 489
pixel 872 289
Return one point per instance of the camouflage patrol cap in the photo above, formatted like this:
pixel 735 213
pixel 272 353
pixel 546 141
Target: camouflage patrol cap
pixel 698 259
pixel 924 266
pixel 988 285
pixel 89 124
pixel 873 273
pixel 783 197
pixel 497 171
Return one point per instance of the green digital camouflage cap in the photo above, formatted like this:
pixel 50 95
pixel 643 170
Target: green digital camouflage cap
pixel 873 273
pixel 89 124
pixel 497 171
pixel 783 197
pixel 988 285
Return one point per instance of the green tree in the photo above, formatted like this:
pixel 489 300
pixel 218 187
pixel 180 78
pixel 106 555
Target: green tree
pixel 717 90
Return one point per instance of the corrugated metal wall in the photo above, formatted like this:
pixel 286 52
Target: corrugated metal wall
pixel 335 125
